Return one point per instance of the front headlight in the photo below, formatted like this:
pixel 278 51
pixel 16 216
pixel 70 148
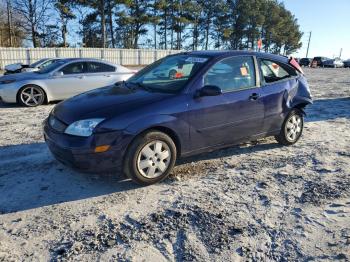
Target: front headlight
pixel 8 81
pixel 83 127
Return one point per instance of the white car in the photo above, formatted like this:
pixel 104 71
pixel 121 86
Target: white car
pixel 336 62
pixel 60 80
pixel 172 71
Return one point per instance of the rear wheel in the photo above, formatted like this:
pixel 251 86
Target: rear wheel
pixel 31 96
pixel 292 128
pixel 150 158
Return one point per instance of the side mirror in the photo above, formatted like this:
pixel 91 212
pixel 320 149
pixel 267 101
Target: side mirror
pixel 208 90
pixel 57 74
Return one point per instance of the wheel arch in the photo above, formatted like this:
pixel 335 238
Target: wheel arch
pixel 166 130
pixel 176 128
pixel 300 107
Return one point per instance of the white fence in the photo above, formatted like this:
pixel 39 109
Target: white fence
pixel 119 56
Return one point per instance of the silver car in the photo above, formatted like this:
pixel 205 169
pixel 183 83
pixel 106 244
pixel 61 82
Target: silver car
pixel 60 80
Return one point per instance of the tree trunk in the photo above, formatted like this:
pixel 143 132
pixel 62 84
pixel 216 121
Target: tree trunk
pixel 9 22
pixel 195 38
pixel 155 35
pixel 64 33
pixel 103 24
pixel 155 27
pixel 136 37
pixel 32 23
pixel 110 19
pixel 207 30
pixel 166 28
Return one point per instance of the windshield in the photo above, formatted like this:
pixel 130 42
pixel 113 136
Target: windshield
pixel 38 62
pixel 51 67
pixel 169 74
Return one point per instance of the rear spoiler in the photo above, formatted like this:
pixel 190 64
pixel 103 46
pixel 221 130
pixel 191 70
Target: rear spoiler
pixel 295 64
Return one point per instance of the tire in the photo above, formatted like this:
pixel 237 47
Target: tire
pixel 31 96
pixel 292 128
pixel 172 74
pixel 147 156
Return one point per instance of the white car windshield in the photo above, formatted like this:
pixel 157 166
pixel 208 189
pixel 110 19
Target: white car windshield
pixel 51 67
pixel 35 64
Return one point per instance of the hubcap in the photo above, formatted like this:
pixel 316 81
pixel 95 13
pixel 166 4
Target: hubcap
pixel 153 159
pixel 293 128
pixel 31 96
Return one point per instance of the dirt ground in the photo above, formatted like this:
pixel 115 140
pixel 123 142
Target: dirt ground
pixel 253 202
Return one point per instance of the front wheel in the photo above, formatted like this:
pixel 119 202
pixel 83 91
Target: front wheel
pixel 31 96
pixel 150 158
pixel 292 128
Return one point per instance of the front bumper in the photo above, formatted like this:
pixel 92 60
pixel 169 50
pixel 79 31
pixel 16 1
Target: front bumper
pixel 8 92
pixel 78 152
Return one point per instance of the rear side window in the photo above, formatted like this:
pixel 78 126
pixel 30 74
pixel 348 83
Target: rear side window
pixel 232 74
pixel 73 68
pixel 95 67
pixel 273 71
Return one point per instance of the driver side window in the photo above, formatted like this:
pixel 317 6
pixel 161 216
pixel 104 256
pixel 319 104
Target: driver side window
pixel 232 74
pixel 74 68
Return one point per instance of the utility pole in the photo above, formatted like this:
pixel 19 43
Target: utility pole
pixel 308 44
pixel 341 51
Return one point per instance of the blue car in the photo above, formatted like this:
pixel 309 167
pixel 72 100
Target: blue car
pixel 142 125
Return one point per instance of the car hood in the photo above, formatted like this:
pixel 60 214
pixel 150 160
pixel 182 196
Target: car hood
pixel 106 102
pixel 22 76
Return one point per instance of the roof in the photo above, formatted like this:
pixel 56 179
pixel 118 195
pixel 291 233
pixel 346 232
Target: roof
pixel 67 60
pixel 82 59
pixel 224 53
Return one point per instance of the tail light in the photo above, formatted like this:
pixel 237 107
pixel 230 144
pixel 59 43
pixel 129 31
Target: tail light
pixel 295 64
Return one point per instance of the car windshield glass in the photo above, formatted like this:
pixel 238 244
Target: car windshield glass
pixel 51 67
pixel 170 74
pixel 38 62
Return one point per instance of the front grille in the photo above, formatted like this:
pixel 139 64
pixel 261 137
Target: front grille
pixel 56 124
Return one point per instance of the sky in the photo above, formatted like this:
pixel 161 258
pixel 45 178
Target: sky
pixel 329 21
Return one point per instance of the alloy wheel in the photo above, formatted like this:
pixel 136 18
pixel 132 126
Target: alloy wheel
pixel 32 96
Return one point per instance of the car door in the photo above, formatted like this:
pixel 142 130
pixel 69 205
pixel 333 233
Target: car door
pixel 276 78
pixel 234 115
pixel 67 81
pixel 99 75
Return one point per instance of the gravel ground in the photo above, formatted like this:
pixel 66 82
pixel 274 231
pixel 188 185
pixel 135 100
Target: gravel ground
pixel 256 201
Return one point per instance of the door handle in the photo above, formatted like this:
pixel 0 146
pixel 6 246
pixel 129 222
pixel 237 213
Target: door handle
pixel 254 96
pixel 107 75
pixel 80 77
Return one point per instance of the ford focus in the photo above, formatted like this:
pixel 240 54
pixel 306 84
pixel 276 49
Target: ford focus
pixel 215 99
